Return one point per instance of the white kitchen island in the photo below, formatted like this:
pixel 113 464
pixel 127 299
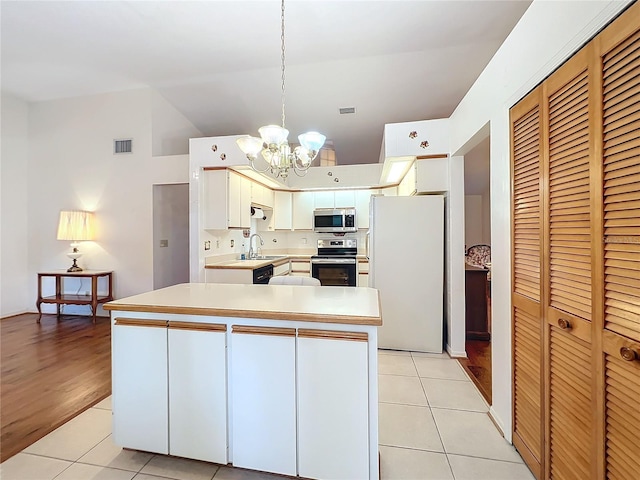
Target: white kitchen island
pixel 277 378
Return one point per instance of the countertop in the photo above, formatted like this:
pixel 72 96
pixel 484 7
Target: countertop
pixel 253 264
pixel 345 305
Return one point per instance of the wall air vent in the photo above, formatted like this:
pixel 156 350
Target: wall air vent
pixel 122 146
pixel 346 110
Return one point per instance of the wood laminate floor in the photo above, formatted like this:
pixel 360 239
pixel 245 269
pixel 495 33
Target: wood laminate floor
pixel 49 373
pixel 478 365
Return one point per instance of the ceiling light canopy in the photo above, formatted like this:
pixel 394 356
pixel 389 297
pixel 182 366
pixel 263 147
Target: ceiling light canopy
pixel 273 143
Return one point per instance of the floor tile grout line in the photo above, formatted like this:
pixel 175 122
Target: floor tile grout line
pixel 487 458
pixel 404 404
pixel 413 449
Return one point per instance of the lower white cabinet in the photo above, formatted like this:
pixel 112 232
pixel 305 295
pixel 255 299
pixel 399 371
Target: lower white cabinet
pixel 198 391
pixel 140 402
pixel 263 393
pixel 300 267
pixel 333 399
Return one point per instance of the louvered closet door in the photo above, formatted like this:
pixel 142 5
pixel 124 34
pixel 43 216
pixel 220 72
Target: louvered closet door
pixel 619 53
pixel 622 415
pixel 569 307
pixel 526 316
pixel 621 152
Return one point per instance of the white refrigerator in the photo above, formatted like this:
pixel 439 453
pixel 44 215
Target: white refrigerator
pixel 406 264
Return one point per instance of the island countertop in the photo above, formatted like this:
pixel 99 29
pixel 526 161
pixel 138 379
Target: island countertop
pixel 345 305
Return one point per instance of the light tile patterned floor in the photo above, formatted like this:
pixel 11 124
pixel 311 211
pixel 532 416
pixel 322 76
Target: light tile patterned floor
pixel 433 426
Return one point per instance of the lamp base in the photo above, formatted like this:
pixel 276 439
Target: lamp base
pixel 74 267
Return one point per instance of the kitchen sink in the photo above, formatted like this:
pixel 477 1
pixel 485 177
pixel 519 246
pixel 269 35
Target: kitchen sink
pixel 268 257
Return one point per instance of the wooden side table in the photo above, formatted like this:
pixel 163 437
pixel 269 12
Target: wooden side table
pixel 61 298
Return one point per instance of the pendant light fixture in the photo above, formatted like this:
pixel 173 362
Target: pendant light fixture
pixel 273 143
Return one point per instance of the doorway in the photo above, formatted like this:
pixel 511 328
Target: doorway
pixel 478 266
pixel 170 234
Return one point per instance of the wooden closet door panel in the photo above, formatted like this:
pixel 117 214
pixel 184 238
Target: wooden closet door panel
pixel 620 61
pixel 570 417
pixel 622 413
pixel 569 150
pixel 526 141
pixel 569 103
pixel 528 431
pixel 526 203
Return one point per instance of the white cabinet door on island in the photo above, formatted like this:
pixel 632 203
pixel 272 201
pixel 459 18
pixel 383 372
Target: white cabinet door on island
pixel 198 391
pixel 333 413
pixel 139 356
pixel 263 392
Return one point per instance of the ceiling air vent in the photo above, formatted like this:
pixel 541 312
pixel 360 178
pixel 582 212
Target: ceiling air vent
pixel 122 146
pixel 346 110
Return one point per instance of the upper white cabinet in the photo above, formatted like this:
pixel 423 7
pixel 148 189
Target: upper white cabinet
pixel 263 392
pixel 282 213
pixel 362 200
pixel 303 205
pixel 324 199
pixel 197 391
pixel 239 201
pixel 334 199
pixel 140 358
pixel 432 175
pixel 408 184
pixel 227 200
pixel 261 195
pixel 345 199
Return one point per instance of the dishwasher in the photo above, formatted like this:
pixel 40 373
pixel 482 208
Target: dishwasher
pixel 262 275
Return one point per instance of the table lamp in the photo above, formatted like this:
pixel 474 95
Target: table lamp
pixel 75 225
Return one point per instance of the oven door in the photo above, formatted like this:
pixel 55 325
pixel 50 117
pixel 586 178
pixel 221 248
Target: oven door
pixel 340 272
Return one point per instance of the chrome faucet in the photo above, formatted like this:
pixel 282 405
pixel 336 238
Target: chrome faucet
pixel 252 253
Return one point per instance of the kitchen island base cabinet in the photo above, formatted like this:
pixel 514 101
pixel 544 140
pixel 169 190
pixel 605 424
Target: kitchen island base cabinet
pixel 140 403
pixel 263 393
pixel 333 394
pixel 197 391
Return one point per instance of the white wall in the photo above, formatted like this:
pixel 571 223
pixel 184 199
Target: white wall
pixel 547 34
pixel 473 226
pixel 71 165
pixel 170 130
pixel 486 218
pixel 13 204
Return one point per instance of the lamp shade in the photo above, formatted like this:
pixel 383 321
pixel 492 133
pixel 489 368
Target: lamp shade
pixel 312 141
pixel 76 225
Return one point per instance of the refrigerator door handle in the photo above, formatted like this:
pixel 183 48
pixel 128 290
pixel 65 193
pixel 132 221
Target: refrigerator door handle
pixel 366 245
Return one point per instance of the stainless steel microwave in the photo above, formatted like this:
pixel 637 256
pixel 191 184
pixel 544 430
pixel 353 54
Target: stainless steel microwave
pixel 336 220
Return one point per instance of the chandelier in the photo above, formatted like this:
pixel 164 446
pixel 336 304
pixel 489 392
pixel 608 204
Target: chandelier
pixel 273 143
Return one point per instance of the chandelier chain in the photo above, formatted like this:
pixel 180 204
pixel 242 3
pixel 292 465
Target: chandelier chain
pixel 282 57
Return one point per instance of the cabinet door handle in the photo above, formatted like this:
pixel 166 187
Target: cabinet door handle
pixel 564 324
pixel 628 354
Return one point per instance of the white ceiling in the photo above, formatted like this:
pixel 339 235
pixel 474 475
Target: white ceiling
pixel 218 62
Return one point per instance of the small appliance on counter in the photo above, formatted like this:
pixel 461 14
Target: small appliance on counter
pixel 336 264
